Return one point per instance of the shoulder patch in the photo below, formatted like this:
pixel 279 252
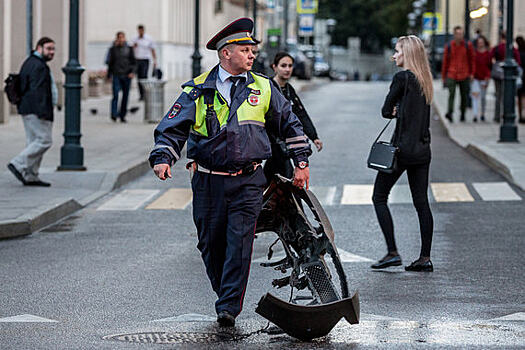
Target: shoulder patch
pixel 175 110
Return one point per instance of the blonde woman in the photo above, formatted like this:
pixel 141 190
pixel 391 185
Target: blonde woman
pixel 409 101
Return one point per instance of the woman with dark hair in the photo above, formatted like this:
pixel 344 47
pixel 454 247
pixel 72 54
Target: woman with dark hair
pixel 280 163
pixel 521 91
pixel 482 68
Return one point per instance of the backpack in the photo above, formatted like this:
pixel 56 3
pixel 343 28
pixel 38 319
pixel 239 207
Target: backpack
pixel 12 88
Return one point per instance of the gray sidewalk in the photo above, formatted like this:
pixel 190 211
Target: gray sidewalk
pixel 114 154
pixel 481 138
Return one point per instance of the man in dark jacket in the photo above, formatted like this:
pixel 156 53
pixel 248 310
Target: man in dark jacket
pixel 39 95
pixel 121 66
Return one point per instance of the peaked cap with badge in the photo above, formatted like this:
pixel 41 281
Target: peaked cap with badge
pixel 237 32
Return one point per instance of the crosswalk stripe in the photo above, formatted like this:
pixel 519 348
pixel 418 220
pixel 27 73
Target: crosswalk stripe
pixel 518 316
pixel 325 195
pixel 400 194
pixel 349 257
pixel 451 192
pixel 26 318
pixel 495 191
pixel 357 194
pixel 174 198
pixel 128 200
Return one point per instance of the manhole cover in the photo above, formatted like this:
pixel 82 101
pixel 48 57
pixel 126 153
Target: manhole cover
pixel 172 338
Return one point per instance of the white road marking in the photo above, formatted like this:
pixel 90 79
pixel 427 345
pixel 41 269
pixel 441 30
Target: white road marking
pixel 400 194
pixel 188 318
pixel 346 257
pixel 495 191
pixel 357 194
pixel 518 316
pixel 349 257
pixel 325 195
pixel 372 317
pixel 26 318
pixel 451 192
pixel 128 200
pixel 174 198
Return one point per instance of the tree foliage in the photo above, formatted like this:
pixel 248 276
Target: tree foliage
pixel 375 22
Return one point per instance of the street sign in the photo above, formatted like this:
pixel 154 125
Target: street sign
pixel 307 6
pixel 430 18
pixel 306 24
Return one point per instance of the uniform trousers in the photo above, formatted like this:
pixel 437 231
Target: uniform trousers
pixel 142 73
pixel 38 141
pixel 418 182
pixel 225 211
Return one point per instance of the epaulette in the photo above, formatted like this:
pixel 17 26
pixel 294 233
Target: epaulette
pixel 195 93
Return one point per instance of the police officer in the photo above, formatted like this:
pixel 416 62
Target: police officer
pixel 225 114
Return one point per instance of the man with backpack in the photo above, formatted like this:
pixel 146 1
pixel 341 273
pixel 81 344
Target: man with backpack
pixel 38 95
pixel 458 69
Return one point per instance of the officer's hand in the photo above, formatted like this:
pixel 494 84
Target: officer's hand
pixel 301 177
pixel 163 171
pixel 319 144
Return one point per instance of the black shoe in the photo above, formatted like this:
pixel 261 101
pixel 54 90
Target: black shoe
pixel 475 120
pixel 386 261
pixel 449 117
pixel 113 118
pixel 16 173
pixel 37 183
pixel 123 120
pixel 420 266
pixel 462 118
pixel 225 319
pixel 482 118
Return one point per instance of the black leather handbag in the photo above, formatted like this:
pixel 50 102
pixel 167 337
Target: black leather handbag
pixel 383 154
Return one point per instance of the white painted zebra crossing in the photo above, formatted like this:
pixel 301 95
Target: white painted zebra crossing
pixel 349 194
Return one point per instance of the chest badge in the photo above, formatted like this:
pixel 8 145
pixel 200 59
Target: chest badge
pixel 255 92
pixel 253 100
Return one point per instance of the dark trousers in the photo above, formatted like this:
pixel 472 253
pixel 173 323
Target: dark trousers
pixel 464 87
pixel 225 211
pixel 418 182
pixel 120 82
pixel 142 73
pixel 278 164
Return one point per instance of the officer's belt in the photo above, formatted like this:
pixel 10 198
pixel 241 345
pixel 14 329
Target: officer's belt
pixel 248 170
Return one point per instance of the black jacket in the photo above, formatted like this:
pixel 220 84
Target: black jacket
pixel 412 134
pixel 35 84
pixel 298 109
pixel 121 60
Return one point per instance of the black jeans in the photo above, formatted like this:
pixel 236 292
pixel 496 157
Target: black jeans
pixel 418 181
pixel 142 73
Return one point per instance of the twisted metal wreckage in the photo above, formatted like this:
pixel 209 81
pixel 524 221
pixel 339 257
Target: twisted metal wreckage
pixel 305 232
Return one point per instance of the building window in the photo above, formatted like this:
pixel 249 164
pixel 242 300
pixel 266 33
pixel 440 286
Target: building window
pixel 218 6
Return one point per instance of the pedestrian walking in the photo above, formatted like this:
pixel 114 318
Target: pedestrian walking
pixel 411 91
pixel 457 69
pixel 480 83
pixel 39 95
pixel 121 67
pixel 498 54
pixel 144 52
pixel 280 162
pixel 226 114
pixel 520 41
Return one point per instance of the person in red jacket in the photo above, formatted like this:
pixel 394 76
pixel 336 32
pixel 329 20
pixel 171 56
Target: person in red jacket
pixel 498 57
pixel 482 67
pixel 457 69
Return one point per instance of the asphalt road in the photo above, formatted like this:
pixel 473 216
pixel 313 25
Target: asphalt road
pixel 117 268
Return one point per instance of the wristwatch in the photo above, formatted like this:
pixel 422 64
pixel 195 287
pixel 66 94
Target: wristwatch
pixel 302 165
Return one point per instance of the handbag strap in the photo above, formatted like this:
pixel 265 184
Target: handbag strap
pixel 399 112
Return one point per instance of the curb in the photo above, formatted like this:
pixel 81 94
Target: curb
pixel 41 217
pixel 477 151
